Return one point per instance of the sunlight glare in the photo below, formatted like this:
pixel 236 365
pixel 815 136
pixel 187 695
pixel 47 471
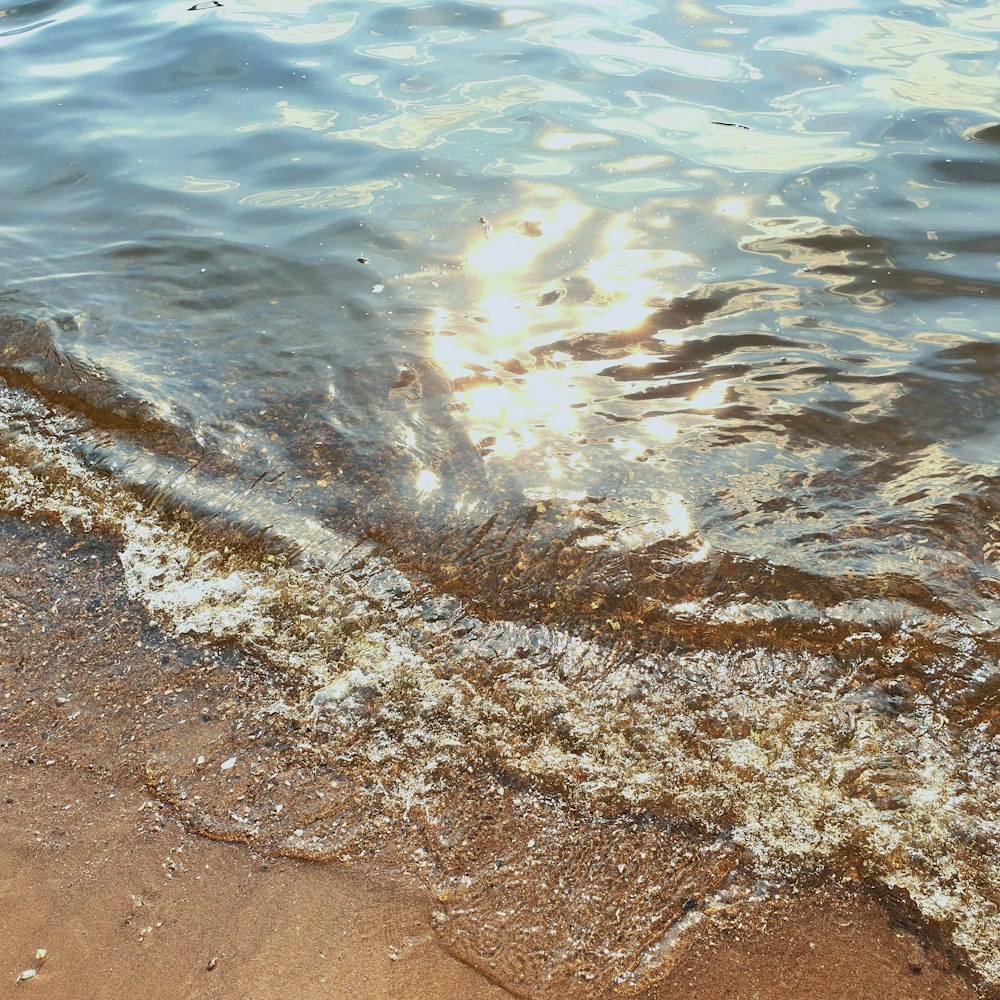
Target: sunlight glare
pixel 709 397
pixel 427 482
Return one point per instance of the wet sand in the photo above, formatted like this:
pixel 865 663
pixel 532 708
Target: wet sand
pixel 126 906
pixel 127 902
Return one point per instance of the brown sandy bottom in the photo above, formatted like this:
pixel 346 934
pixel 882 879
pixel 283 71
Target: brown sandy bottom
pixel 98 709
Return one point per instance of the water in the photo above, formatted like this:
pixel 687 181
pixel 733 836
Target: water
pixel 602 406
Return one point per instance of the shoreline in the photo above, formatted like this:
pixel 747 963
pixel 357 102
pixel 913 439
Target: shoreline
pixel 125 900
pixel 128 902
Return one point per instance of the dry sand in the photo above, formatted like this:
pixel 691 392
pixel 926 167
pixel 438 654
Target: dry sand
pixel 126 902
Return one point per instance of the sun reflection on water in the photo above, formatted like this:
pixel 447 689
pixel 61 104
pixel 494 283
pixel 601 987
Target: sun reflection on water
pixel 709 397
pixel 518 391
pixel 524 392
pixel 427 482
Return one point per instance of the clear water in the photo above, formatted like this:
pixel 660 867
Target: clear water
pixel 658 340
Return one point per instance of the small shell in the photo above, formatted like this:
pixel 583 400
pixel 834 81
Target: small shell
pixel 27 974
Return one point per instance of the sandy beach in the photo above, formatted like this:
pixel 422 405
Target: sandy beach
pixel 126 901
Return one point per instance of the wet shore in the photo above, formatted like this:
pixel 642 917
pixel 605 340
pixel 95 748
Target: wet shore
pixel 104 876
pixel 128 903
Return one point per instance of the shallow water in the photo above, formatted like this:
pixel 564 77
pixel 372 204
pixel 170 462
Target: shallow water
pixel 604 404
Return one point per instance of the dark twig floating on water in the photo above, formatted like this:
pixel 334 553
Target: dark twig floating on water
pixel 733 125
